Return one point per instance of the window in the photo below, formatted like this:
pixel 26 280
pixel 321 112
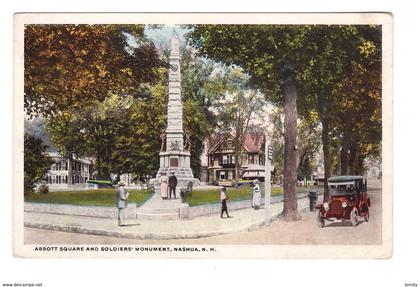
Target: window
pixel 251 159
pixel 261 159
pixel 225 159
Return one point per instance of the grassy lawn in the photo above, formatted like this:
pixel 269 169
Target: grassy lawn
pixel 97 197
pixel 203 197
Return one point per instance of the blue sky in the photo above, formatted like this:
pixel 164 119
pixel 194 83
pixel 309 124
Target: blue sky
pixel 164 34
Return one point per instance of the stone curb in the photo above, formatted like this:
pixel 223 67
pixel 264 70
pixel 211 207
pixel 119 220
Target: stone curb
pixel 143 236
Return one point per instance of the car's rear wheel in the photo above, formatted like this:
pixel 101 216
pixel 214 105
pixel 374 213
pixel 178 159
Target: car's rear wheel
pixel 320 221
pixel 354 217
pixel 367 215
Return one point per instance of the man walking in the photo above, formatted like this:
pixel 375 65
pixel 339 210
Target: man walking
pixel 121 200
pixel 173 181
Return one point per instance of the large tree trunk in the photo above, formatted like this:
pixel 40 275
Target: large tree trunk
pixel 327 158
pixel 353 158
pixel 344 155
pixel 290 212
pixel 98 164
pixel 323 110
pixel 70 169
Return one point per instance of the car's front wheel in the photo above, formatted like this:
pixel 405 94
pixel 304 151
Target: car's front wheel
pixel 354 217
pixel 320 221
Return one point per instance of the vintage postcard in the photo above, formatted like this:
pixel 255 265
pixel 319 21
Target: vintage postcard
pixel 194 135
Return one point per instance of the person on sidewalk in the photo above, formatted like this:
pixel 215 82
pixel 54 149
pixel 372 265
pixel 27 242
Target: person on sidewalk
pixel 223 198
pixel 256 195
pixel 173 181
pixel 164 186
pixel 121 200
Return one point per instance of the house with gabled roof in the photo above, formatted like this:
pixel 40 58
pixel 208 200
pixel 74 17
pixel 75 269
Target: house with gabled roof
pixel 220 160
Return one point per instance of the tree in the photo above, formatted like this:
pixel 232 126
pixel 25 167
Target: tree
pixel 36 162
pixel 262 52
pixel 309 143
pixel 320 57
pixel 121 133
pixel 277 141
pixel 235 105
pixel 137 144
pixel 359 124
pixel 198 91
pixel 63 130
pixel 68 67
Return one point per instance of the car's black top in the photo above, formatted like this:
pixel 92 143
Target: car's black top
pixel 344 178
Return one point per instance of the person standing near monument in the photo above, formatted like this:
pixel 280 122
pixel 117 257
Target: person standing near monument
pixel 256 195
pixel 164 186
pixel 173 181
pixel 121 201
pixel 223 198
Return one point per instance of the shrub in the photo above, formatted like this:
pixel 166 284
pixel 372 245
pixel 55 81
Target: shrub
pixel 44 189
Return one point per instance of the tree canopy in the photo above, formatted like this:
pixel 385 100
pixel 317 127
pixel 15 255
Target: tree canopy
pixel 319 59
pixel 71 66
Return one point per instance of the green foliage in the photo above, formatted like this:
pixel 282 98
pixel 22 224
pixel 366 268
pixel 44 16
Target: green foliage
pixel 336 68
pixel 137 142
pixel 309 143
pixel 197 95
pixel 68 67
pixel 97 197
pixel 63 130
pixel 44 189
pixel 36 163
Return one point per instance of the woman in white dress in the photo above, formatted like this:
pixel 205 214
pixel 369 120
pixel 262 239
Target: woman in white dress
pixel 164 186
pixel 256 195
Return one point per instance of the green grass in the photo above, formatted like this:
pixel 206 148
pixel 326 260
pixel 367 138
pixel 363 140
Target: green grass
pixel 97 197
pixel 203 197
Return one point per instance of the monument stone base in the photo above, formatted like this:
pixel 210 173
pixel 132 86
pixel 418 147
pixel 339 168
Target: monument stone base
pixel 177 162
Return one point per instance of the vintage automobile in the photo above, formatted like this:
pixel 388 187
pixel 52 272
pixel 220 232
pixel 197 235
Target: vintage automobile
pixel 348 201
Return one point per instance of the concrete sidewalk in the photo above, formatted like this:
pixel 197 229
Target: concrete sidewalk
pixel 204 226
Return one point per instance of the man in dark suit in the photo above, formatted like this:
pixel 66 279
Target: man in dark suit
pixel 173 181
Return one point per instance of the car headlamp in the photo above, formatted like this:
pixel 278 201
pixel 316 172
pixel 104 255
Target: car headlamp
pixel 344 204
pixel 326 206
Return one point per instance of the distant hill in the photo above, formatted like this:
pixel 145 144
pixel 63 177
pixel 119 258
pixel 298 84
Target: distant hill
pixel 36 127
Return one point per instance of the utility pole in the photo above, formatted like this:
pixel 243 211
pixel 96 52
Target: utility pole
pixel 267 179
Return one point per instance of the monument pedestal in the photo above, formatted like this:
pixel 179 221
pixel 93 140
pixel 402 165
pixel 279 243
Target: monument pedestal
pixel 177 162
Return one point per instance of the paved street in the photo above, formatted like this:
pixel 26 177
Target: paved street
pixel 279 232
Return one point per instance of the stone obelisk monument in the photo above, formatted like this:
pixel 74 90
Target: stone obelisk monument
pixel 175 154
